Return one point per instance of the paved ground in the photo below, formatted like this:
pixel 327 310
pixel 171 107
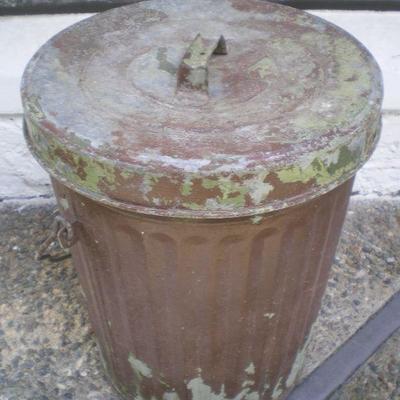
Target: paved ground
pixel 379 379
pixel 48 349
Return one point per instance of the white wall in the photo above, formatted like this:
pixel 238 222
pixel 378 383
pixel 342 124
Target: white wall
pixel 22 180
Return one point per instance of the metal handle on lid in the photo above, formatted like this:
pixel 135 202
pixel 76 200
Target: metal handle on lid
pixel 193 69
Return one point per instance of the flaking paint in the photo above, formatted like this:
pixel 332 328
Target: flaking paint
pixel 140 368
pixel 319 170
pixel 326 99
pixel 201 391
pixel 251 369
pixel 298 362
pixel 278 390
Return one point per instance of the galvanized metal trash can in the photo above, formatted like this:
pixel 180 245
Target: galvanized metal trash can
pixel 202 154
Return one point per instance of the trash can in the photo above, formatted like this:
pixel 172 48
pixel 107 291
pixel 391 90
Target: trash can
pixel 202 155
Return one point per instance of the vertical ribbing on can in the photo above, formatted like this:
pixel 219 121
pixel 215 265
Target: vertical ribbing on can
pixel 204 309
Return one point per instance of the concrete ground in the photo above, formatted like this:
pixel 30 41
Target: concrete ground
pixel 379 379
pixel 48 350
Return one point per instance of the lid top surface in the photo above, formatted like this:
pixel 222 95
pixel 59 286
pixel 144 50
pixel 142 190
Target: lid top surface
pixel 289 85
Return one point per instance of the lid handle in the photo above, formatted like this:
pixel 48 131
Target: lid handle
pixel 193 69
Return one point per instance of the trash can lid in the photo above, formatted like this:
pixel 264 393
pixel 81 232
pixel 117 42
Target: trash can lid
pixel 202 109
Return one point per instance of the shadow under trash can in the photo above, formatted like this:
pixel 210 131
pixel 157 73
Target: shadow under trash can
pixel 202 154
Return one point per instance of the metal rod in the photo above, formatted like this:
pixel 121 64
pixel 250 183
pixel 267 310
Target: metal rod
pixel 324 381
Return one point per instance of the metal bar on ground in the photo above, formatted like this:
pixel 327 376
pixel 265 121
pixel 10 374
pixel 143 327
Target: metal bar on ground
pixel 325 380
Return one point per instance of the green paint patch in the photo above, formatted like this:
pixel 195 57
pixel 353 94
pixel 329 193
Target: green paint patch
pixel 269 315
pixel 163 62
pixel 256 219
pixel 97 173
pixel 251 369
pixel 232 193
pixel 148 182
pixel 201 391
pixel 139 368
pixel 320 170
pixel 64 203
pixel 186 189
pixel 263 67
pixel 277 392
pixel 248 383
pixel 298 364
pixel 192 206
pixel 170 396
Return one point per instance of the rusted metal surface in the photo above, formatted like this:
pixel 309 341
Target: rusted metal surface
pixel 293 109
pixel 204 310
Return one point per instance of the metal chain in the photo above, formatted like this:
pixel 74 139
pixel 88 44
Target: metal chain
pixel 61 232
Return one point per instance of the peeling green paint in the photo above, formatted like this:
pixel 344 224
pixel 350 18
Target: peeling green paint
pixel 354 80
pixel 256 219
pixel 266 386
pixel 319 169
pixel 170 396
pixel 252 396
pixel 251 369
pixel 34 108
pixel 226 192
pixel 139 368
pixel 95 173
pixel 64 203
pixel 277 392
pixel 298 363
pixel 248 383
pixel 163 382
pixel 269 315
pixel 202 391
pixel 187 187
pixel 163 62
pixel 296 368
pixel 79 169
pixel 232 193
pixel 258 188
pixel 192 206
pixel 263 67
pixel 148 182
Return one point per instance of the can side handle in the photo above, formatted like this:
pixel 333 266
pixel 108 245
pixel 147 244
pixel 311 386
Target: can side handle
pixel 61 232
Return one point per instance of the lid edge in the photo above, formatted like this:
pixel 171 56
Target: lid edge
pixel 54 157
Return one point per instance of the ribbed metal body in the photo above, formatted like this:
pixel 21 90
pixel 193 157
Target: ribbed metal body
pixel 204 309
